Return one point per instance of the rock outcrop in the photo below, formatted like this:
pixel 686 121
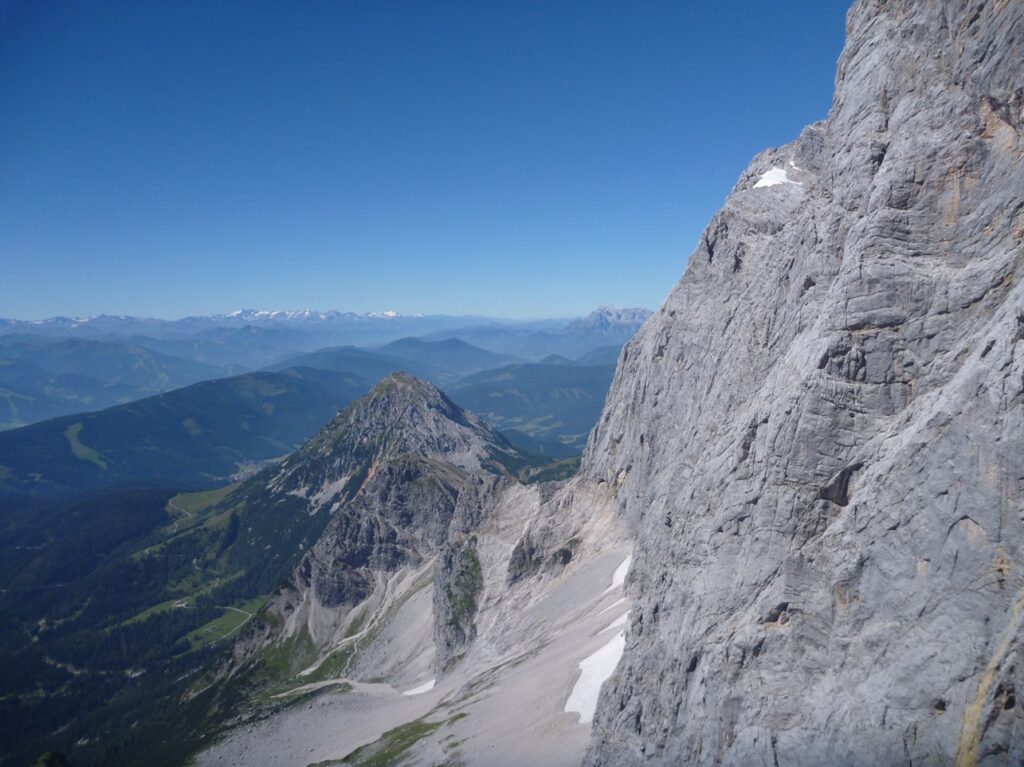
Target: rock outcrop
pixel 819 438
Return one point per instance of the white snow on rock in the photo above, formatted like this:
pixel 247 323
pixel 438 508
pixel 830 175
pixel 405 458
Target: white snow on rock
pixel 618 622
pixel 594 670
pixel 775 176
pixel 613 605
pixel 425 687
pixel 619 576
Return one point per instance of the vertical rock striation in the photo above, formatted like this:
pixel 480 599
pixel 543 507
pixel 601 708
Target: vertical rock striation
pixel 819 439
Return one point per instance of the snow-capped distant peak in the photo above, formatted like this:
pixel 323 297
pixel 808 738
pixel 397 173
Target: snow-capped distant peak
pixel 621 314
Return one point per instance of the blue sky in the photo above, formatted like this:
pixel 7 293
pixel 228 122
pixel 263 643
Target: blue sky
pixel 520 159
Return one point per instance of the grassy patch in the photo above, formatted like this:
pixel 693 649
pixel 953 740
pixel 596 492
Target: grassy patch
pixel 556 470
pixel 224 626
pixel 278 664
pixel 357 623
pixel 163 607
pixel 82 452
pixel 193 503
pixel 293 697
pixel 393 746
pixel 334 665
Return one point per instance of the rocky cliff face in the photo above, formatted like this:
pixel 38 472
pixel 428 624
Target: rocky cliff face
pixel 819 438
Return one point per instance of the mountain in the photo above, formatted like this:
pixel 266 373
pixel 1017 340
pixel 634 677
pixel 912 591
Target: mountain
pixel 604 327
pixel 401 416
pixel 29 394
pixel 192 437
pixel 112 363
pixel 557 359
pixel 326 328
pixel 436 361
pixel 246 340
pixel 443 609
pixel 371 365
pixel 795 537
pixel 819 438
pixel 45 376
pixel 277 560
pixel 428 561
pixel 238 349
pixel 455 357
pixel 613 321
pixel 813 451
pixel 602 355
pixel 547 408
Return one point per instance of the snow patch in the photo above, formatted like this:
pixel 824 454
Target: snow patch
pixel 618 622
pixel 425 687
pixel 619 576
pixel 613 605
pixel 594 670
pixel 775 176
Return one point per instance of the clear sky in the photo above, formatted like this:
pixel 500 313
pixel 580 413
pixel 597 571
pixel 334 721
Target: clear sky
pixel 520 159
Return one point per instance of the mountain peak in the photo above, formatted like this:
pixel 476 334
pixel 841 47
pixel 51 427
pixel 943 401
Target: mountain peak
pixel 612 320
pixel 400 380
pixel 404 394
pixel 401 416
pixel 621 313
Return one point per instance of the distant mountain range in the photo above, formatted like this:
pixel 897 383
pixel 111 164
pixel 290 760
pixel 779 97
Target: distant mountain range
pixel 436 361
pixel 60 366
pixel 43 377
pixel 383 326
pixel 607 326
pixel 374 328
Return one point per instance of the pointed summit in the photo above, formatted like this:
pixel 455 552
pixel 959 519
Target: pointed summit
pixel 401 416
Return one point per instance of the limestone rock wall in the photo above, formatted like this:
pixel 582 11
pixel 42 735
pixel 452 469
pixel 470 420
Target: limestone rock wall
pixel 819 439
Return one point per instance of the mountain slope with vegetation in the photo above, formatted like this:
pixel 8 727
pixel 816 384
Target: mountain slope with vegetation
pixel 546 408
pixel 43 377
pixel 113 671
pixel 197 436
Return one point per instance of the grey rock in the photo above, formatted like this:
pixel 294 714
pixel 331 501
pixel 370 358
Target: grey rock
pixel 819 438
pixel 400 516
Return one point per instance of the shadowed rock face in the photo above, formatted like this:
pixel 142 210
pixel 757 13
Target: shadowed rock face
pixel 819 438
